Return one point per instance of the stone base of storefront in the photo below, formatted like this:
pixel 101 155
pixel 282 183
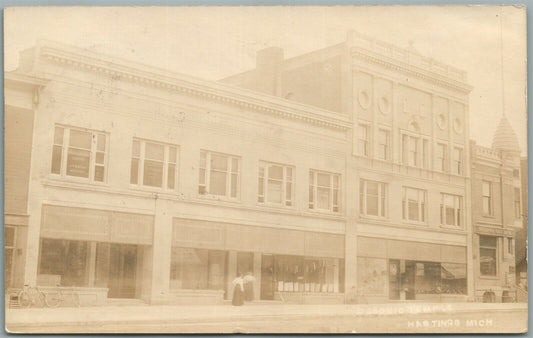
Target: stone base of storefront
pixel 310 297
pixel 87 296
pixel 191 297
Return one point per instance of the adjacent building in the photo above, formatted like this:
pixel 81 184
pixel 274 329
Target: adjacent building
pixel 341 175
pixel 497 212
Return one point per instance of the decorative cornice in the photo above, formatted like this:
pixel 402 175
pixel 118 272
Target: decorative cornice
pixel 193 86
pixel 409 69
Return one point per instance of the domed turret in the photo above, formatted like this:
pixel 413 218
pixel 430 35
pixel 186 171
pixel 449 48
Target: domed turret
pixel 505 138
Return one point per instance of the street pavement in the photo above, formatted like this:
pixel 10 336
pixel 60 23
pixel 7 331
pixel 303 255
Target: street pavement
pixel 275 318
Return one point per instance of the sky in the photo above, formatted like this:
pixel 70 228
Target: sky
pixel 215 42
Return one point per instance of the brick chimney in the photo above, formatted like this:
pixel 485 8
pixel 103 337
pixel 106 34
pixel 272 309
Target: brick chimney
pixel 269 66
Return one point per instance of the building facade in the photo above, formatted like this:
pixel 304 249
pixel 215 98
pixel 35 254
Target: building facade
pixel 408 182
pixel 497 213
pixel 341 175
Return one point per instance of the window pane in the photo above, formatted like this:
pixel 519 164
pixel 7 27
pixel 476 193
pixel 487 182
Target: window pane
pixel 100 146
pixel 288 191
pixel 413 210
pixel 323 198
pixel 219 162
pixel 171 176
pixel 372 188
pixel 488 241
pixel 234 165
pixel 234 181
pixel 372 204
pixel 335 182
pixel 134 171
pixel 99 158
pixel 58 136
pixel 275 172
pixel 274 191
pixel 487 261
pixel 56 160
pixel 80 139
pixel 288 173
pixel 486 189
pixel 201 177
pixel 217 184
pixel 99 173
pixel 450 216
pixel 153 173
pixel 154 151
pixel 9 235
pixel 172 155
pixel 78 162
pixel 136 149
pixel 203 159
pixel 486 205
pixel 323 180
pixel 260 184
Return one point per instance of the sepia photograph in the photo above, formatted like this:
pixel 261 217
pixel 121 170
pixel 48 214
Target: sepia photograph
pixel 344 169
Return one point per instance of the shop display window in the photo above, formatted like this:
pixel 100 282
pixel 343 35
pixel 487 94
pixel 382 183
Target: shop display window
pixel 66 259
pixel 197 269
pixel 302 274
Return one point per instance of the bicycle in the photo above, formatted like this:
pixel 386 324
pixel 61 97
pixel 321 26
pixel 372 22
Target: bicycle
pixel 31 295
pixel 56 298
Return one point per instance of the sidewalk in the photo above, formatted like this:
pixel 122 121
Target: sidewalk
pixel 205 313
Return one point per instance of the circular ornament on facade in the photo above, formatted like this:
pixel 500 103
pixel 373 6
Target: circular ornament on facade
pixel 364 99
pixel 457 126
pixel 441 121
pixel 384 105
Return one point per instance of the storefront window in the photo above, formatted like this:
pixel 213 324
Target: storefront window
pixel 66 259
pixel 427 278
pixel 371 276
pixel 197 269
pixel 300 274
pixel 487 255
pixel 9 240
pixel 453 278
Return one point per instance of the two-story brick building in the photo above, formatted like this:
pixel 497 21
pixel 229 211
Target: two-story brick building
pixel 341 175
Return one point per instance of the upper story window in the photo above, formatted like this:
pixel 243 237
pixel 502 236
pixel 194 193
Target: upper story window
pixel 414 204
pixel 516 173
pixel 219 174
pixel 451 210
pixel 383 144
pixel 510 246
pixel 373 198
pixel 488 250
pixel 275 185
pixel 457 161
pixel 324 191
pixel 414 151
pixel 153 164
pixel 517 206
pixel 79 153
pixel 441 157
pixel 363 139
pixel 487 197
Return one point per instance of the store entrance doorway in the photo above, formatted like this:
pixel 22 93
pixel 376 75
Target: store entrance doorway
pixel 267 277
pixel 122 271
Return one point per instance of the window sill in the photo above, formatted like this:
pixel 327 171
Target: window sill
pixel 417 223
pixel 275 206
pixel 324 212
pixel 452 227
pixel 75 180
pixel 489 277
pixel 373 218
pixel 153 190
pixel 219 198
